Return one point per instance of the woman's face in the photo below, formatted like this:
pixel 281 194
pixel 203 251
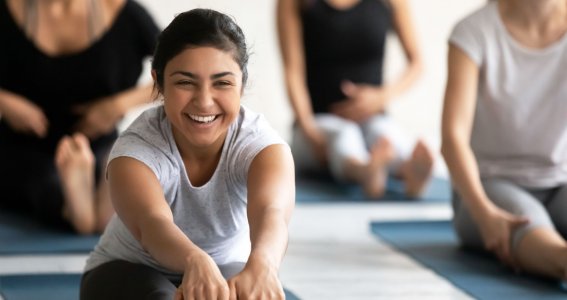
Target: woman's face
pixel 202 89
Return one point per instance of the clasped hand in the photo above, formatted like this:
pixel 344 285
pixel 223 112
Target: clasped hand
pixel 496 228
pixel 203 281
pixel 97 117
pixel 362 101
pixel 24 116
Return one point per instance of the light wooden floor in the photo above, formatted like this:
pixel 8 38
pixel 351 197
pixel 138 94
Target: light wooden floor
pixel 331 255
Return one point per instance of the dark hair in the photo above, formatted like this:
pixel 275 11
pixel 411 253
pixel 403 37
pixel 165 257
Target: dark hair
pixel 196 28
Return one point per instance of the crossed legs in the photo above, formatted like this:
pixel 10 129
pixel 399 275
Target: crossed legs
pixel 366 153
pixel 538 247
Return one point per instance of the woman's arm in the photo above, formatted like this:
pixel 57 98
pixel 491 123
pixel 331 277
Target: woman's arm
pixel 139 201
pixel 404 27
pixel 271 198
pixel 23 115
pixel 458 115
pixel 494 223
pixel 290 36
pixel 365 100
pixel 101 116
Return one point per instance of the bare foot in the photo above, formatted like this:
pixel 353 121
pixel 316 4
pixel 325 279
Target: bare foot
pixel 75 165
pixel 417 171
pixel 381 154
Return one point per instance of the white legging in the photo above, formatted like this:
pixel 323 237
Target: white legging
pixel 346 140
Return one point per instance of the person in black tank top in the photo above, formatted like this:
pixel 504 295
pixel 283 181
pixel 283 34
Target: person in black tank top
pixel 333 53
pixel 65 82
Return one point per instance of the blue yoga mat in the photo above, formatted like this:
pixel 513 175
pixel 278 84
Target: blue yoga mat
pixel 51 286
pixel 33 287
pixel 320 188
pixel 434 244
pixel 21 235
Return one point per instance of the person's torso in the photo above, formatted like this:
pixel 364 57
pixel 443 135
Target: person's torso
pixel 520 128
pixel 112 64
pixel 343 44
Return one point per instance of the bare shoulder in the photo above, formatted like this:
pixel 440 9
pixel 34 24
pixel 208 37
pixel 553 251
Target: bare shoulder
pixel 16 9
pixel 112 7
pixel 110 10
pixel 395 4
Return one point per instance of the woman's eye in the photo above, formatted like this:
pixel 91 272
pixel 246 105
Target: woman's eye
pixel 224 83
pixel 184 83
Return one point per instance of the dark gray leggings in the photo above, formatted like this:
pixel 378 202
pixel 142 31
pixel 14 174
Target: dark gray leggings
pixel 543 207
pixel 122 280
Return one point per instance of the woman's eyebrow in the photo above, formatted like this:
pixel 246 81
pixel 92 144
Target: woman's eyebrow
pixel 191 75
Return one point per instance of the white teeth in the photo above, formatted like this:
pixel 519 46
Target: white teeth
pixel 202 119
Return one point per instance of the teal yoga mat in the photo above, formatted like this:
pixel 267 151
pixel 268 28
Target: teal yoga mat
pixel 33 287
pixel 434 244
pixel 21 235
pixel 321 188
pixel 51 286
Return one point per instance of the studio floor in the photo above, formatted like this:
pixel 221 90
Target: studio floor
pixel 332 255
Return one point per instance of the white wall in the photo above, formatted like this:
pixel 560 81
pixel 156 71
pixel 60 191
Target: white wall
pixel 418 111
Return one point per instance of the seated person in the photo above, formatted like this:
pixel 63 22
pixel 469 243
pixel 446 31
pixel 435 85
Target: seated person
pixel 505 135
pixel 333 52
pixel 68 74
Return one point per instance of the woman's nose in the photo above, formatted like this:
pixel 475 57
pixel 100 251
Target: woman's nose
pixel 204 97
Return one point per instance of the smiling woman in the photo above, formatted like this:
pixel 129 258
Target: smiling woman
pixel 203 187
pixel 202 88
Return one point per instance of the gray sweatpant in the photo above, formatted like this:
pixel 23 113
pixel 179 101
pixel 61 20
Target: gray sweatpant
pixel 543 207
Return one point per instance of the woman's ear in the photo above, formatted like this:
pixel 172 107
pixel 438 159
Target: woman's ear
pixel 154 76
pixel 157 89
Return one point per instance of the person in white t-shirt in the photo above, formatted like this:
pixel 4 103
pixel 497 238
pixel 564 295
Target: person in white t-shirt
pixel 505 132
pixel 202 186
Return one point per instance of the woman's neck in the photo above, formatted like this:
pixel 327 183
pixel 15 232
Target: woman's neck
pixel 538 15
pixel 535 23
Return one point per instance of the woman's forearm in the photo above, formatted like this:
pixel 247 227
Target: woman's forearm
pixel 269 237
pixel 300 102
pixel 465 176
pixel 167 244
pixel 130 98
pixel 404 81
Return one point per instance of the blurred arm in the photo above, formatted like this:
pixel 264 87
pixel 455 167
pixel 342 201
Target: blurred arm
pixel 404 27
pixel 458 115
pixel 271 198
pixel 291 46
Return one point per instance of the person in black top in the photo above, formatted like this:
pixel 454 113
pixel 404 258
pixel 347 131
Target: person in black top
pixel 68 73
pixel 333 54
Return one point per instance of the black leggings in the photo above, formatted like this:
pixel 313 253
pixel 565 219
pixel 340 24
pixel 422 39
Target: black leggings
pixel 122 280
pixel 29 182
